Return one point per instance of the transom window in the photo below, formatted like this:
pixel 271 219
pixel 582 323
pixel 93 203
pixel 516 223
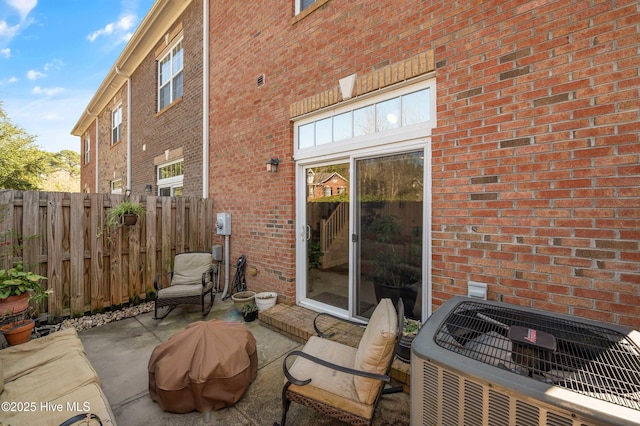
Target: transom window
pixel 116 125
pixel 171 179
pixel 170 76
pixel 116 186
pixel 398 111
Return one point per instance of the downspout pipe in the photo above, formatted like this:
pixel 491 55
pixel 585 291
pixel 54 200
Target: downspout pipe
pixel 97 148
pixel 128 77
pixel 205 99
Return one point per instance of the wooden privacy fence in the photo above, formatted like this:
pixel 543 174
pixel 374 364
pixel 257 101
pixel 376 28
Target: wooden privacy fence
pixel 89 268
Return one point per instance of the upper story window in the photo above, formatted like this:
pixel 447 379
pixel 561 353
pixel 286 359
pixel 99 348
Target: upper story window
pixel 87 150
pixel 116 125
pixel 170 76
pixel 303 4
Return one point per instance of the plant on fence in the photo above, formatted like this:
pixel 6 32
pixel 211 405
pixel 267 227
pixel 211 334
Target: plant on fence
pixel 126 210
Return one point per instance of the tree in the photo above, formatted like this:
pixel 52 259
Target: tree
pixel 22 164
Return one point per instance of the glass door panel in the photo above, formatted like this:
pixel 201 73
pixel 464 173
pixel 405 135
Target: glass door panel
pixel 389 231
pixel 327 234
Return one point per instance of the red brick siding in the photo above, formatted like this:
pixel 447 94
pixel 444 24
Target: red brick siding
pixel 88 170
pixel 112 158
pixel 535 157
pixel 178 126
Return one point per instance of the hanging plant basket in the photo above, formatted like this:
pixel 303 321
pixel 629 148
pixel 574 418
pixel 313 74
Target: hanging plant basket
pixel 18 332
pixel 129 219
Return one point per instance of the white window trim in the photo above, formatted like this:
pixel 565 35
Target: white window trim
pixel 115 126
pixel 371 140
pixel 169 52
pixel 116 190
pixel 87 150
pixel 172 182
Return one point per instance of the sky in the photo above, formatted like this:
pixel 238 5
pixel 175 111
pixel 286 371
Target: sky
pixel 54 54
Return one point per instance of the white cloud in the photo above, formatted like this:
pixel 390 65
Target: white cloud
pixel 119 28
pixel 37 90
pixel 5 52
pixel 13 80
pixel 7 31
pixel 55 64
pixel 53 117
pixel 34 75
pixel 23 6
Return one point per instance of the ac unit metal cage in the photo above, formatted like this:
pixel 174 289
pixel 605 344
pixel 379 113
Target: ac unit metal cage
pixel 489 363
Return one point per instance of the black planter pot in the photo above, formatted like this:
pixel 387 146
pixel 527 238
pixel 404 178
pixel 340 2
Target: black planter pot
pixel 250 316
pixel 409 295
pixel 404 348
pixel 129 219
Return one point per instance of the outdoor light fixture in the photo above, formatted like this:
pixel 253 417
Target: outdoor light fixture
pixel 148 188
pixel 272 165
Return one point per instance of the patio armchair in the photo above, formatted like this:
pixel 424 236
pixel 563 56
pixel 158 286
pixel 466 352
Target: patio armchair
pixel 341 381
pixel 190 281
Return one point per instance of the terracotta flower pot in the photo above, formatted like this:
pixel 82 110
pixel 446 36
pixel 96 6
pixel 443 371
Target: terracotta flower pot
pixel 18 332
pixel 14 304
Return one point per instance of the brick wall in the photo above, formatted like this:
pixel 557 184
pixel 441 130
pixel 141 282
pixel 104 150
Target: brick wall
pixel 536 170
pixel 88 170
pixel 178 126
pixel 112 159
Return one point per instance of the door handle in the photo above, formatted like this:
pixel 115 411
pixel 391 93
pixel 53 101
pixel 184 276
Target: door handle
pixel 308 232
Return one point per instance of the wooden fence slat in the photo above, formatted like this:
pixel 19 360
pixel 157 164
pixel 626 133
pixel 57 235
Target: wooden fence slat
pixel 96 256
pixel 6 228
pixel 76 255
pixel 30 231
pixel 151 244
pixel 165 245
pixel 55 235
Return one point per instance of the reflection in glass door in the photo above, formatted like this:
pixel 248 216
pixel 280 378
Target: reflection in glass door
pixel 327 234
pixel 389 231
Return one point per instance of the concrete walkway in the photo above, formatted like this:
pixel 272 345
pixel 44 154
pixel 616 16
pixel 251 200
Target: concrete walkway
pixel 120 352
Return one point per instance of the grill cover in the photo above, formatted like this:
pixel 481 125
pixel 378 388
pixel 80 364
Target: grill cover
pixel 207 366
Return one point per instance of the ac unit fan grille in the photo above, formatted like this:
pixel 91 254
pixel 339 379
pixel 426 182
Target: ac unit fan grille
pixel 586 359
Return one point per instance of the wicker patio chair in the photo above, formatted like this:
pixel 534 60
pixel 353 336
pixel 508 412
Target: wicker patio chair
pixel 191 280
pixel 341 381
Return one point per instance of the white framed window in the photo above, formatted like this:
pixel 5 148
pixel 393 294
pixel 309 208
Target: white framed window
pixel 170 76
pixel 404 112
pixel 87 150
pixel 303 4
pixel 116 125
pixel 116 186
pixel 171 179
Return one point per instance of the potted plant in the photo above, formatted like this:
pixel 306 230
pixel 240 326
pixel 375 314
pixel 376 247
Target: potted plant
pixel 126 213
pixel 266 300
pixel 409 332
pixel 241 298
pixel 17 287
pixel 249 312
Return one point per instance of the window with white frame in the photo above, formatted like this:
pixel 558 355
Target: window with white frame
pixel 402 109
pixel 116 124
pixel 87 150
pixel 171 179
pixel 116 186
pixel 170 76
pixel 303 4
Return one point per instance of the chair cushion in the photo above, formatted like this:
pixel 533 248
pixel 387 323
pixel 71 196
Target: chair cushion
pixel 189 267
pixel 375 350
pixel 183 290
pixel 327 385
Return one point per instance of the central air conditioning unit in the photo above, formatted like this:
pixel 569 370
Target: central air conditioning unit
pixel 488 363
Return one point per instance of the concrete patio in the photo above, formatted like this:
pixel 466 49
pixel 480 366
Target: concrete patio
pixel 120 351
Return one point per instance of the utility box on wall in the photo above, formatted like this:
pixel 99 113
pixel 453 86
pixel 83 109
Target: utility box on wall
pixel 223 224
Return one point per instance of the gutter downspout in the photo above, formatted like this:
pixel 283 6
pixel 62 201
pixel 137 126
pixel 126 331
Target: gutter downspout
pixel 205 99
pixel 128 77
pixel 97 148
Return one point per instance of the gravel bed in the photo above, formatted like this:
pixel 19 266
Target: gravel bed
pixel 90 321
